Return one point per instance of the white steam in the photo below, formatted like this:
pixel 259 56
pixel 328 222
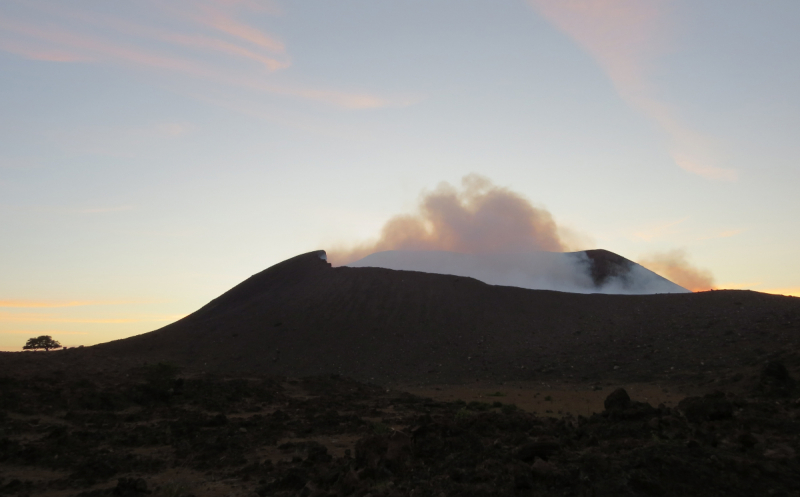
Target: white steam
pixel 500 237
pixel 565 272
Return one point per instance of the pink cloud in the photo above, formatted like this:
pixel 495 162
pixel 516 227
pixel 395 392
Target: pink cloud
pixel 91 47
pixel 230 48
pixel 625 37
pixel 339 99
pixel 619 34
pixel 61 41
pixel 30 51
pixel 227 24
pixel 196 41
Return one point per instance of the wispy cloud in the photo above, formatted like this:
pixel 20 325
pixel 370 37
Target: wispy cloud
pixel 723 234
pixel 217 19
pixel 32 51
pixel 671 228
pixel 337 98
pixel 171 129
pixel 144 32
pixel 42 332
pixel 85 47
pixel 789 291
pixel 270 63
pixel 659 231
pixel 204 40
pixel 740 286
pixel 10 317
pixel 64 210
pixel 65 303
pixel 101 210
pixel 625 37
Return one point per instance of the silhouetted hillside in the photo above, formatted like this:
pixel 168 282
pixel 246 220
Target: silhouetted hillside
pixel 303 317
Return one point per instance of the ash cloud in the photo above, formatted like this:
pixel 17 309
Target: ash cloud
pixel 481 218
pixel 498 236
pixel 674 266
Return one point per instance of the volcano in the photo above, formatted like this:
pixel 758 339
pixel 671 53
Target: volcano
pixel 303 317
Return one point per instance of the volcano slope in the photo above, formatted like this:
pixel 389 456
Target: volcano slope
pixel 303 317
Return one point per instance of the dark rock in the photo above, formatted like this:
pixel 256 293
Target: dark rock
pixel 617 400
pixel 775 381
pixel 218 420
pixel 532 450
pixel 317 453
pixel 279 416
pixel 95 469
pixel 294 479
pixel 619 406
pixel 545 469
pixel 371 450
pixel 522 482
pixel 13 486
pixel 747 441
pixel 776 371
pixel 711 407
pixel 130 487
pixel 644 484
pixel 638 410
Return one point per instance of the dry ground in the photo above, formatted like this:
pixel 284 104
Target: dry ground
pixel 551 398
pixel 155 431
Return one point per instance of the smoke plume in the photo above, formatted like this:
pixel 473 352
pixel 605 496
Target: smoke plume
pixel 674 266
pixel 498 236
pixel 480 218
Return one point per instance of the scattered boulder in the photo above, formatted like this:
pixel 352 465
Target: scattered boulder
pixel 540 449
pixel 617 400
pixel 747 441
pixel 130 487
pixel 371 450
pixel 780 452
pixel 544 469
pixel 711 407
pixel 775 381
pixel 398 448
pixel 620 406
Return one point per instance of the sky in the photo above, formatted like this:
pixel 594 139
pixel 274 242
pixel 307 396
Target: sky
pixel 154 154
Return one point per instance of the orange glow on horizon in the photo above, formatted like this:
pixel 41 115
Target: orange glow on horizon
pixel 43 332
pixel 69 303
pixel 10 317
pixel 790 291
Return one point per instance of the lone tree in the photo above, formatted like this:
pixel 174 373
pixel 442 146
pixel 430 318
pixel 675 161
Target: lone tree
pixel 45 342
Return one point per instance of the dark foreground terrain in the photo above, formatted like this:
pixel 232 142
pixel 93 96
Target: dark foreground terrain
pixel 152 430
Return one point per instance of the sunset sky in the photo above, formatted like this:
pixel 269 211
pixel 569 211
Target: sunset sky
pixel 154 154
